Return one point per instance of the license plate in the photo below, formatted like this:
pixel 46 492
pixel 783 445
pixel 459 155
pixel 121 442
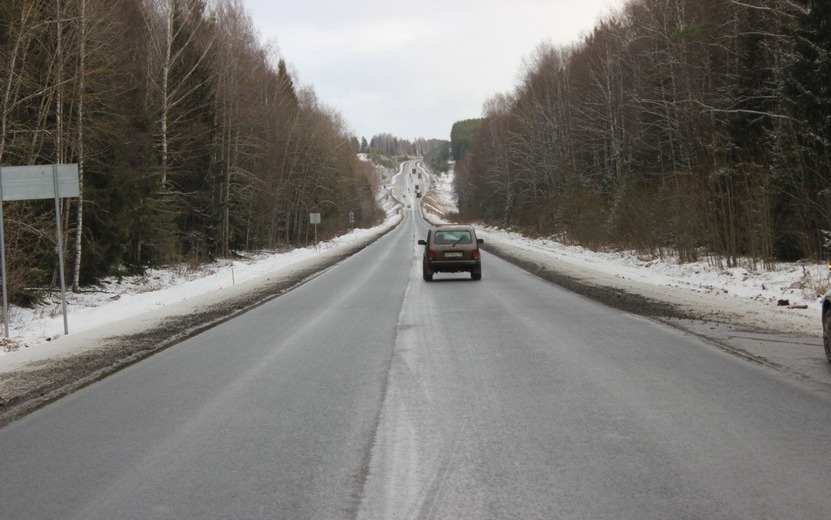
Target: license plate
pixel 453 255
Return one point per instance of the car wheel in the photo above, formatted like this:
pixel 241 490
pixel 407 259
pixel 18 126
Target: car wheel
pixel 427 274
pixel 826 333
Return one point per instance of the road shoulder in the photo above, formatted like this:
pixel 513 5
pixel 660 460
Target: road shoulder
pixel 785 340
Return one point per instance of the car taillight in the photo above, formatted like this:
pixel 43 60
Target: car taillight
pixel 475 254
pixel 431 255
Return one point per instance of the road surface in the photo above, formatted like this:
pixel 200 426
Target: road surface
pixel 369 393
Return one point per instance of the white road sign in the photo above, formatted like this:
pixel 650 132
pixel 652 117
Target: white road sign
pixel 37 182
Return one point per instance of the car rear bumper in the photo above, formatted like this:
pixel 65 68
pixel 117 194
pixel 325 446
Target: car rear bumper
pixel 444 266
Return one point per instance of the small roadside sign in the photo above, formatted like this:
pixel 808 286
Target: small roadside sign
pixel 314 218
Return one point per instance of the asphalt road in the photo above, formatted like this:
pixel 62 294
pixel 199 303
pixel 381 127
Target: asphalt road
pixel 368 393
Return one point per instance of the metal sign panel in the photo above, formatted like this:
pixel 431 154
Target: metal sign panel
pixel 314 218
pixel 37 182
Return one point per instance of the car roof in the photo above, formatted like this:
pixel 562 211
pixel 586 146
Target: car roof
pixel 452 227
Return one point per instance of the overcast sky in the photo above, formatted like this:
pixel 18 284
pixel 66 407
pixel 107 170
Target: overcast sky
pixel 414 68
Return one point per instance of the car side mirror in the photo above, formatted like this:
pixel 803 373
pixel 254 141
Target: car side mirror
pixel 480 241
pixel 422 242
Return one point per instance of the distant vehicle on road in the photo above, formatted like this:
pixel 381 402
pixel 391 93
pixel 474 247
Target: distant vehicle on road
pixel 826 323
pixel 451 249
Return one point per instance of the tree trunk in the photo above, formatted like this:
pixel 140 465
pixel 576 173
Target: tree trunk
pixel 168 47
pixel 76 276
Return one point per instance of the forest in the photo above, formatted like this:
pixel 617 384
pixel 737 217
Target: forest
pixel 391 146
pixel 696 128
pixel 191 138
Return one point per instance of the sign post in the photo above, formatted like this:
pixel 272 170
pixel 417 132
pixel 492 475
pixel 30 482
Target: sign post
pixel 3 261
pixel 314 218
pixel 37 182
pixel 60 244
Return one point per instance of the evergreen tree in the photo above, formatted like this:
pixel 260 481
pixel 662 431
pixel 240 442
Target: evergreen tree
pixel 805 162
pixel 461 137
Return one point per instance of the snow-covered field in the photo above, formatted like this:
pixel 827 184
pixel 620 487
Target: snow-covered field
pixel 732 294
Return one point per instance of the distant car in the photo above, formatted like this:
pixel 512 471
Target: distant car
pixel 451 249
pixel 826 324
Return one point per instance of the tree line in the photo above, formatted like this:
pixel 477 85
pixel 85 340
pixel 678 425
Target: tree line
pixel 192 139
pixel 691 127
pixel 392 146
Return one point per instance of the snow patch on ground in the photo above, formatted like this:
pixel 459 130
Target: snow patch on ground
pixel 441 199
pixel 742 296
pixel 799 283
pixel 117 299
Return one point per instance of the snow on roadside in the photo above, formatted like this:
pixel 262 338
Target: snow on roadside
pixel 441 199
pixel 799 285
pixel 119 298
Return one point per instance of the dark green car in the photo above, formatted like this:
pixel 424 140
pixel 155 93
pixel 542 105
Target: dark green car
pixel 451 249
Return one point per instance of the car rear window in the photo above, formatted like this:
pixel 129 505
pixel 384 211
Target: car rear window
pixel 453 237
